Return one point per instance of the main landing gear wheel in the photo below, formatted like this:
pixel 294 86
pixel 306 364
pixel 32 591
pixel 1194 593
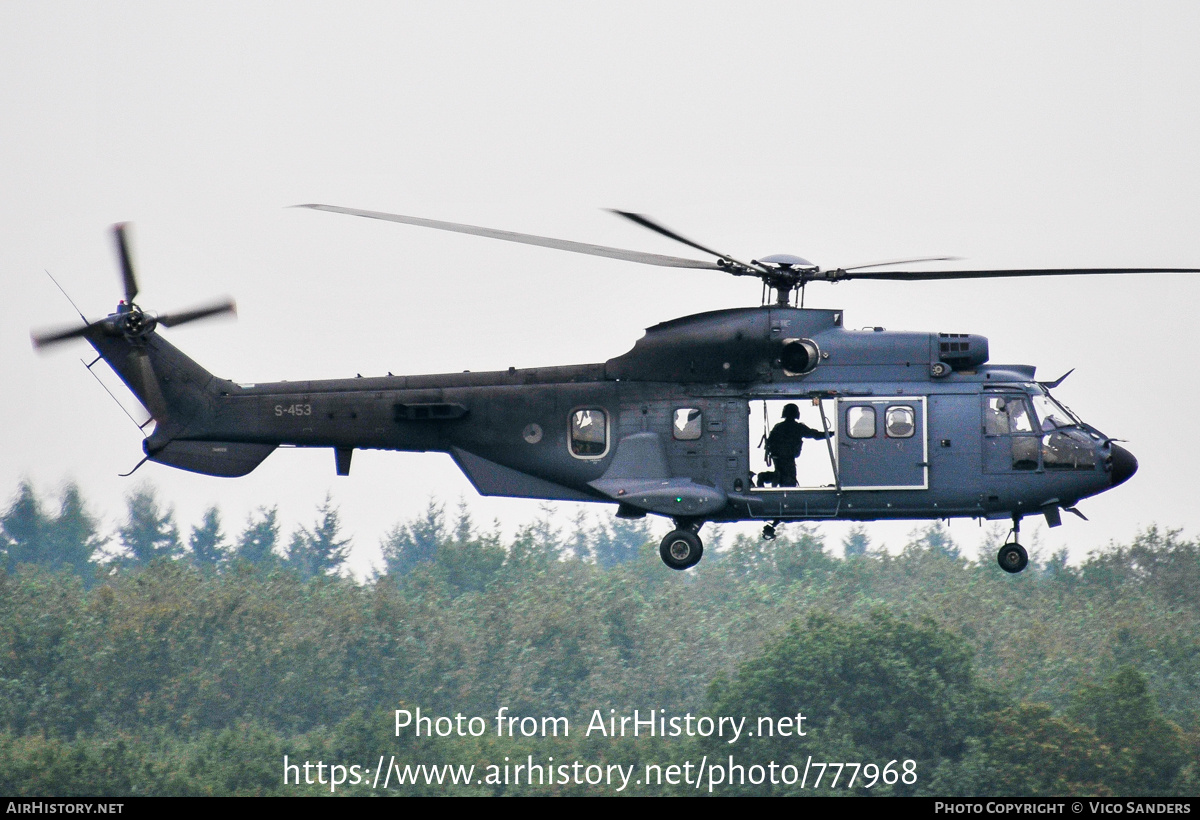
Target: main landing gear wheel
pixel 681 549
pixel 1012 557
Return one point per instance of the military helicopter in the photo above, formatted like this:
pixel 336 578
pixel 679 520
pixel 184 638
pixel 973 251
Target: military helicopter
pixel 907 425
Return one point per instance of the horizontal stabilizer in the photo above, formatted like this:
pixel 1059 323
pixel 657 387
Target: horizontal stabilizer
pixel 219 458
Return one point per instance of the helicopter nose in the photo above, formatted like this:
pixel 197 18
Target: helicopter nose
pixel 1124 465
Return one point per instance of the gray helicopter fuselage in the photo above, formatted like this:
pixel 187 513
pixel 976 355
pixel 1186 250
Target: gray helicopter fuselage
pixel 922 427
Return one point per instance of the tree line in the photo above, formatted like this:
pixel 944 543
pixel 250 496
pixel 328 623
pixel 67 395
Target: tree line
pixel 159 664
pixel 33 533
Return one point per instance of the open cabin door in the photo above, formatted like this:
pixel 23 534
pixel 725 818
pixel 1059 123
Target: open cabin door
pixel 814 467
pixel 883 443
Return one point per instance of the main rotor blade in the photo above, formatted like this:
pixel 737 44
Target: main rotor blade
pixel 918 276
pixel 130 280
pixel 526 239
pixel 41 340
pixel 904 262
pixel 647 222
pixel 185 316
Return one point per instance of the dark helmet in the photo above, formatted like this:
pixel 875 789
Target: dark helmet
pixel 791 411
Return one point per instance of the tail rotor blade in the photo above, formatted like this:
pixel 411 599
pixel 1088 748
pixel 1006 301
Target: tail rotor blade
pixel 127 276
pixel 182 317
pixel 47 338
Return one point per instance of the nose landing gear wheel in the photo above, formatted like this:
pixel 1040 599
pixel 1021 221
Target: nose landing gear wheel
pixel 1012 558
pixel 681 549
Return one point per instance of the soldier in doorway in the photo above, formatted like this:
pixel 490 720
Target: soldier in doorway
pixel 783 447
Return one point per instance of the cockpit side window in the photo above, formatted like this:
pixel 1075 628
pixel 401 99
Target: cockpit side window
pixel 1005 415
pixel 995 416
pixel 1018 416
pixel 1009 416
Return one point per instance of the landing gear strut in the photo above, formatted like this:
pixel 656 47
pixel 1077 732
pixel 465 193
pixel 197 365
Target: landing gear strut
pixel 768 533
pixel 1012 556
pixel 682 548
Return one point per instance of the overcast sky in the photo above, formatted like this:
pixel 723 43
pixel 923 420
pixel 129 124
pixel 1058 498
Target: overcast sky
pixel 1014 135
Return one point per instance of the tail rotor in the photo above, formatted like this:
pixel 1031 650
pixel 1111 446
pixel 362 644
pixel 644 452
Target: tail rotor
pixel 130 320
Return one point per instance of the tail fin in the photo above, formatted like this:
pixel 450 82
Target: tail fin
pixel 171 386
pixel 181 396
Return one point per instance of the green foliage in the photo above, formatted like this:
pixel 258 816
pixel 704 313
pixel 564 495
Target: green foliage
pixel 414 542
pixel 168 678
pixel 319 551
pixel 1161 560
pixel 1121 711
pixel 616 541
pixel 877 690
pixel 857 542
pixel 538 544
pixel 933 537
pixel 74 539
pixel 149 533
pixel 470 560
pixel 1028 752
pixel 207 543
pixel 24 529
pixel 29 535
pixel 256 544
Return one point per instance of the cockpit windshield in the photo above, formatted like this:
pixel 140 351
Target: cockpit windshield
pixel 1050 412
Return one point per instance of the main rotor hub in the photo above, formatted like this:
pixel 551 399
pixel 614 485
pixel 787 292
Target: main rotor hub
pixel 786 260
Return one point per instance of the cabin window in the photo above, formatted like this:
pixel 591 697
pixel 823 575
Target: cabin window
pixel 860 422
pixel 688 424
pixel 589 433
pixel 901 422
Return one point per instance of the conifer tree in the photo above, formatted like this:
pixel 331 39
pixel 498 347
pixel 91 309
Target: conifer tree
pixel 856 543
pixel 207 542
pixel 72 536
pixel 149 533
pixel 319 551
pixel 23 529
pixel 256 544
pixel 537 543
pixel 617 541
pixel 408 544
